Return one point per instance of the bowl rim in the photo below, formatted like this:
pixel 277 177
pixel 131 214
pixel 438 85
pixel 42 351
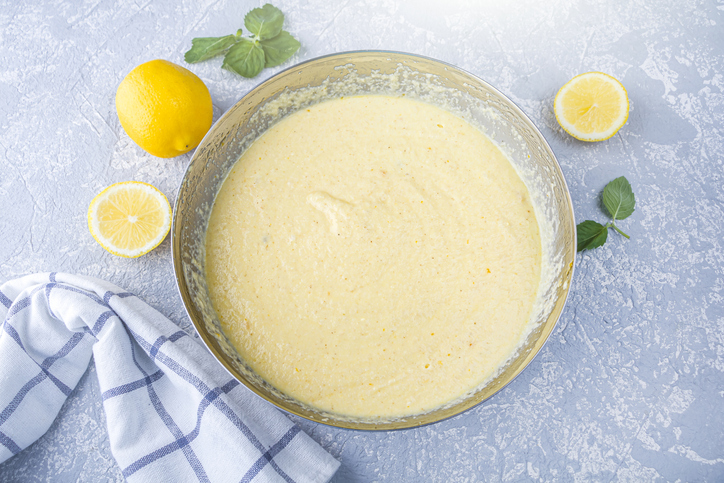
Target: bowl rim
pixel 206 338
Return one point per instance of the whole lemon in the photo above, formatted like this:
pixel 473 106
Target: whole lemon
pixel 164 108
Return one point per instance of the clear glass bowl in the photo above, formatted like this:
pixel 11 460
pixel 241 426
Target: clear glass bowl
pixel 365 72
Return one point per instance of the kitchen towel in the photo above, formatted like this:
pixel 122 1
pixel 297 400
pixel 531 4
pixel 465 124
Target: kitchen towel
pixel 173 413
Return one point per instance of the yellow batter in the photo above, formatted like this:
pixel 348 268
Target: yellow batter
pixel 373 256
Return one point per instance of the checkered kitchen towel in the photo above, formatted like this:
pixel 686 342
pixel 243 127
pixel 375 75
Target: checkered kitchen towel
pixel 174 414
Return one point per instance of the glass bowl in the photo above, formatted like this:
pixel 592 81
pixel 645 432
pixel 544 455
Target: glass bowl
pixel 367 72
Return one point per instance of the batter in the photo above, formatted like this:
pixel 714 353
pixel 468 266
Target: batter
pixel 373 256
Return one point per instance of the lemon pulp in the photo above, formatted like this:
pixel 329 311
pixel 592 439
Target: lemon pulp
pixel 129 219
pixel 592 106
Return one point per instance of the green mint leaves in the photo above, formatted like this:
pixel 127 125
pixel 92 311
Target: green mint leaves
pixel 619 200
pixel 265 22
pixel 204 48
pixel 279 48
pixel 591 235
pixel 267 46
pixel 245 58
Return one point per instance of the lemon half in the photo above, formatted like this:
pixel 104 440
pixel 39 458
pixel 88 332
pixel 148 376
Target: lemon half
pixel 592 106
pixel 129 219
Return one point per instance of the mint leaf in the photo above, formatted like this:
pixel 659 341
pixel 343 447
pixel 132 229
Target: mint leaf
pixel 246 58
pixel 279 49
pixel 591 235
pixel 619 199
pixel 204 48
pixel 265 22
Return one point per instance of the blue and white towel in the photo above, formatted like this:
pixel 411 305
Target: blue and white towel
pixel 174 414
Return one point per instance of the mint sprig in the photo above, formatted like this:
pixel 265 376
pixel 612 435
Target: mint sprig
pixel 619 200
pixel 267 46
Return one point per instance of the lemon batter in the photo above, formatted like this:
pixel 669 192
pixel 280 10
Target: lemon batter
pixel 373 256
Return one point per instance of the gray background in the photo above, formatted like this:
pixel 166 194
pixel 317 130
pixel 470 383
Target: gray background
pixel 630 385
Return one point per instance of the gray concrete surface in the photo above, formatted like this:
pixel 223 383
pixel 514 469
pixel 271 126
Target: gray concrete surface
pixel 630 386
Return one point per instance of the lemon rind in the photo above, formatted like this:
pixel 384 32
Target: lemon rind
pixel 92 222
pixel 599 136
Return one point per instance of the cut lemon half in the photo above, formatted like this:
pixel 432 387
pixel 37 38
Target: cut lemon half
pixel 129 219
pixel 591 106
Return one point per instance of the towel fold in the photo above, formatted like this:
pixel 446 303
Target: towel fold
pixel 173 412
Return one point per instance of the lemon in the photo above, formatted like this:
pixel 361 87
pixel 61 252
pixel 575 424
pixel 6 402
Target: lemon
pixel 164 108
pixel 129 219
pixel 591 106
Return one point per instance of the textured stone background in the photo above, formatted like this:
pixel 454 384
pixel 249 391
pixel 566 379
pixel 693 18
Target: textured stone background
pixel 630 385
